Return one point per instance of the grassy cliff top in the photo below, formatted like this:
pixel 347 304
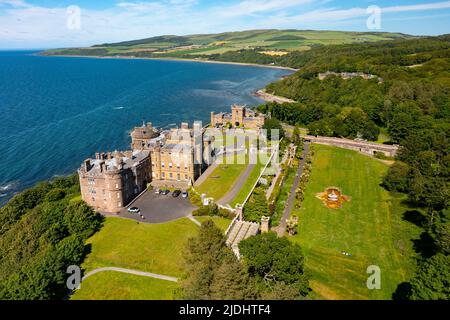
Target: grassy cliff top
pixel 206 45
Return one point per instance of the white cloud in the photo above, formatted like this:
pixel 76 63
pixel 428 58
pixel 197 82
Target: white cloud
pixel 332 14
pixel 25 25
pixel 13 3
pixel 250 7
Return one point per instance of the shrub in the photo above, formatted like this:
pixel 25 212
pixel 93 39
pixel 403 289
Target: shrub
pixel 55 195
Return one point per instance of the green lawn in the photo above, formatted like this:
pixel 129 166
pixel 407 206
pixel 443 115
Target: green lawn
pixel 248 185
pixel 110 285
pixel 221 223
pixel 129 244
pixel 221 180
pixel 370 227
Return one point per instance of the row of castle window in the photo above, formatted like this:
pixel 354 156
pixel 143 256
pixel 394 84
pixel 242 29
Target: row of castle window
pixel 171 165
pixel 94 192
pixel 163 175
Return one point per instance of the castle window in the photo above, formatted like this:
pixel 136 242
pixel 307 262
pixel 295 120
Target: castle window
pixel 186 176
pixel 163 174
pixel 178 177
pixel 118 196
pixel 170 175
pixel 117 186
pixel 162 164
pixel 178 166
pixel 170 165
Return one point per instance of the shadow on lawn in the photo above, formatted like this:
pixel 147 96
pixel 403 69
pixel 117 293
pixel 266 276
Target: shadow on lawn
pixel 415 217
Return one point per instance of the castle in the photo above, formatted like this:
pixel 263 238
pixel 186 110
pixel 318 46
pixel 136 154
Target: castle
pixel 169 158
pixel 240 117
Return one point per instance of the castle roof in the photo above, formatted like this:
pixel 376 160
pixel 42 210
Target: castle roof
pixel 117 161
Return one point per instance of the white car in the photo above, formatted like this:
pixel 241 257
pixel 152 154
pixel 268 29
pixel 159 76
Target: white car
pixel 134 210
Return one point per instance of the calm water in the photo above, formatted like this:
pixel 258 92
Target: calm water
pixel 56 111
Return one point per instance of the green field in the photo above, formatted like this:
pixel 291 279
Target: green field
pixel 370 227
pixel 220 222
pixel 221 180
pixel 110 285
pixel 248 185
pixel 146 247
pixel 209 44
pixel 128 244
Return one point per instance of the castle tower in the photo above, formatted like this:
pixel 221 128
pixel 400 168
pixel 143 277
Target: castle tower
pixel 265 224
pixel 213 123
pixel 237 115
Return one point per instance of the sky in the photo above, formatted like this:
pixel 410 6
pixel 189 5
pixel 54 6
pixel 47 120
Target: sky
pixel 40 24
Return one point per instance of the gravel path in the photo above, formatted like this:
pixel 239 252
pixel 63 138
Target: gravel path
pixel 237 186
pixel 130 271
pixel 290 202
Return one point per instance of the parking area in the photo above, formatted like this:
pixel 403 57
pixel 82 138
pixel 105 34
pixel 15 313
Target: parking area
pixel 158 208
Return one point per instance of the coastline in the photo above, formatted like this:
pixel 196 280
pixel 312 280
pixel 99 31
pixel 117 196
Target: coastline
pixel 262 94
pixel 170 59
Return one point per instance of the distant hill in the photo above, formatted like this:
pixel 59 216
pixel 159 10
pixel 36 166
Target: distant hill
pixel 210 46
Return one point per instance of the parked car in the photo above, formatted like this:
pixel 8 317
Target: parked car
pixel 176 193
pixel 165 192
pixel 184 194
pixel 158 191
pixel 134 210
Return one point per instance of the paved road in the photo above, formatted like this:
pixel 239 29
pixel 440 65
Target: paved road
pixel 237 186
pixel 130 271
pixel 192 218
pixel 290 202
pixel 159 208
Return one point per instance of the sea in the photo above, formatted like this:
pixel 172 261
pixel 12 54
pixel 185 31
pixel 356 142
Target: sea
pixel 57 111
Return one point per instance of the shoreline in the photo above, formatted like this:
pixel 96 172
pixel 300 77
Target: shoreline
pixel 262 94
pixel 170 59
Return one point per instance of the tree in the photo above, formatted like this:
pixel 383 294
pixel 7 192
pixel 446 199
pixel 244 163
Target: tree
pixel 432 281
pixel 396 179
pixel 400 126
pixel 55 195
pixel 42 234
pixel 441 234
pixel 273 124
pixel 272 260
pixel 370 131
pixel 212 270
pixel 231 281
pixel 296 137
pixel 81 219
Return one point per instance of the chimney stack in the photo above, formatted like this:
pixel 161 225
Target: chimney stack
pixel 102 166
pixel 87 165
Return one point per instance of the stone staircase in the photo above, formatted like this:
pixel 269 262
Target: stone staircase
pixel 238 231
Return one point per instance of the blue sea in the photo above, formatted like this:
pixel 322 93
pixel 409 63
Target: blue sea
pixel 57 111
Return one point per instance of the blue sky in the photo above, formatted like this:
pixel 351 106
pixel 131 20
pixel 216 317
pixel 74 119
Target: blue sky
pixel 71 23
